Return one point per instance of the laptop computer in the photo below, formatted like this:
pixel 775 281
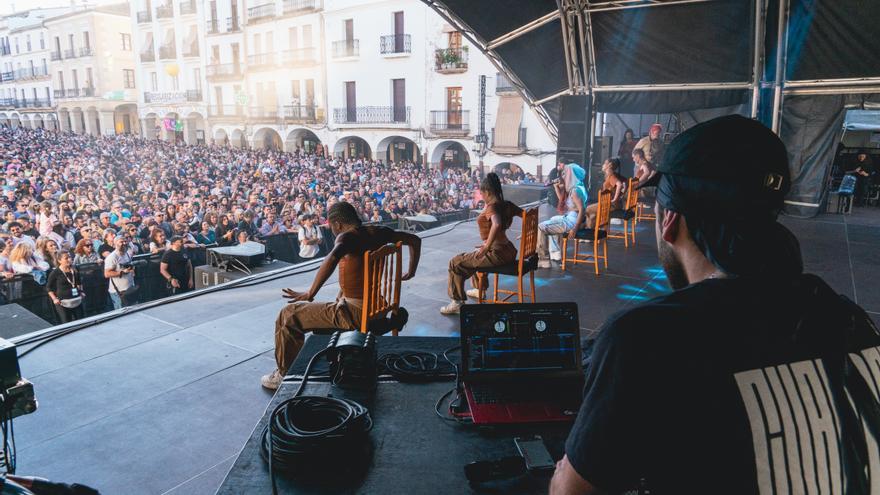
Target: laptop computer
pixel 521 363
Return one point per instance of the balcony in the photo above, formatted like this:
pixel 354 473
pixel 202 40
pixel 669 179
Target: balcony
pixel 58 93
pixel 371 115
pixel 450 122
pixel 71 93
pixel 300 114
pixel 518 147
pixel 298 7
pixel 86 51
pixel 7 76
pixel 144 16
pixel 4 50
pixel 503 84
pixel 450 60
pixel 260 13
pixel 55 56
pixel 395 44
pixel 193 95
pixel 301 57
pixel 165 11
pixel 71 53
pixel 223 71
pixel 149 56
pixel 212 27
pixel 232 112
pixel 263 113
pixel 232 25
pixel 7 102
pixel 37 103
pixel 346 48
pixel 261 61
pixel 87 92
pixel 167 52
pixel 192 50
pixel 188 7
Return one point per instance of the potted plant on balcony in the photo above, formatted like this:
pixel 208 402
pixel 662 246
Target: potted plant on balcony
pixel 451 59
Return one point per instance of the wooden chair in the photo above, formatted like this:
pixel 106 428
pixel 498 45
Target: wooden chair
pixel 598 234
pixel 642 208
pixel 381 312
pixel 527 263
pixel 628 214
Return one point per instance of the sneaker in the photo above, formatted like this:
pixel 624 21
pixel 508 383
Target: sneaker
pixel 544 264
pixel 453 308
pixel 473 293
pixel 272 381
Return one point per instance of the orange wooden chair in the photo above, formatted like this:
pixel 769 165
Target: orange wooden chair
pixel 526 264
pixel 598 234
pixel 644 207
pixel 381 312
pixel 628 214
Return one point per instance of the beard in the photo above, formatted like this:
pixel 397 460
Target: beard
pixel 673 267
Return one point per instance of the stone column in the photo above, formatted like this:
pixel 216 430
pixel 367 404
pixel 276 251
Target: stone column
pixel 108 122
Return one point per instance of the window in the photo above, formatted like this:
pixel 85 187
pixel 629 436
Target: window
pixel 294 91
pixel 128 78
pixel 154 81
pixel 86 42
pixel 70 42
pixel 28 43
pixel 61 80
pixel 90 83
pixel 43 42
pixel 75 80
pixel 307 35
pixel 45 68
pixel 197 77
pixel 17 50
pixel 175 83
pixel 126 42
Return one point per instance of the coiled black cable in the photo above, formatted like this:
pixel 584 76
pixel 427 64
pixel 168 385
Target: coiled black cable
pixel 417 366
pixel 309 434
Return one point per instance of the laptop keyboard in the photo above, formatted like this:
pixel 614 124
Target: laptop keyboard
pixel 510 395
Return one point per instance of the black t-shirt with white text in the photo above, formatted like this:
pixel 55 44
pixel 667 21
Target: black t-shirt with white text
pixel 724 387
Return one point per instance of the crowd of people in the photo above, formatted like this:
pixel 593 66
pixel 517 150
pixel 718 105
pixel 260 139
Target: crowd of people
pixel 80 195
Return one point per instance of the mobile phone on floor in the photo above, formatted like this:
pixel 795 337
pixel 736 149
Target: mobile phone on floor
pixel 534 452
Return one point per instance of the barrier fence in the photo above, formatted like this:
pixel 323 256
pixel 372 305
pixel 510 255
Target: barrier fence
pixel 24 291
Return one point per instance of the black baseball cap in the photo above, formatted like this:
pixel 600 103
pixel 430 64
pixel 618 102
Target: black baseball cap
pixel 730 166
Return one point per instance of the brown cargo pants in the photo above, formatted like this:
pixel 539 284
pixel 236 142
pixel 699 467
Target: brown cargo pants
pixel 297 319
pixel 465 265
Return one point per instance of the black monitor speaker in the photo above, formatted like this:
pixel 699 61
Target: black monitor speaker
pixel 574 127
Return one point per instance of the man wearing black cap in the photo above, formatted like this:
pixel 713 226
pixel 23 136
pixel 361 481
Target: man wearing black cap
pixel 752 377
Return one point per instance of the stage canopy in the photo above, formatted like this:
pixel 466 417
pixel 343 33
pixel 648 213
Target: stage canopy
pixel 670 56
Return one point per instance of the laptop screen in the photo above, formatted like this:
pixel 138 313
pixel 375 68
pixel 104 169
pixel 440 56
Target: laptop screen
pixel 527 338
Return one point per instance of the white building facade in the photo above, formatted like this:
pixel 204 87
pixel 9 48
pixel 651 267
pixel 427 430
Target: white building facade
pixel 93 70
pixel 387 79
pixel 169 38
pixel 26 97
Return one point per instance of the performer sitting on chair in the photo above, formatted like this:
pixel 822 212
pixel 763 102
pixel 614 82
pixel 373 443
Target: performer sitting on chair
pixel 572 206
pixel 302 315
pixel 496 249
pixel 614 183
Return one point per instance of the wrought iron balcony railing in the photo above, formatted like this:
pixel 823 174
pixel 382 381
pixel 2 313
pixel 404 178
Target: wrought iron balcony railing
pixel 395 43
pixel 193 95
pixel 300 113
pixel 371 115
pixel 86 51
pixel 503 84
pixel 450 60
pixel 212 26
pixel 260 13
pixel 219 71
pixel 301 57
pixel 300 6
pixel 261 61
pixel 58 93
pixel 165 11
pixel 144 16
pixel 7 76
pixel 87 92
pixel 232 25
pixel 167 52
pixel 72 92
pixel 55 56
pixel 188 7
pixel 226 111
pixel 263 112
pixel 149 56
pixel 71 53
pixel 7 102
pixel 35 103
pixel 450 121
pixel 5 50
pixel 346 48
pixel 520 141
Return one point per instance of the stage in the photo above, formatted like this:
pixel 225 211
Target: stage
pixel 162 400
